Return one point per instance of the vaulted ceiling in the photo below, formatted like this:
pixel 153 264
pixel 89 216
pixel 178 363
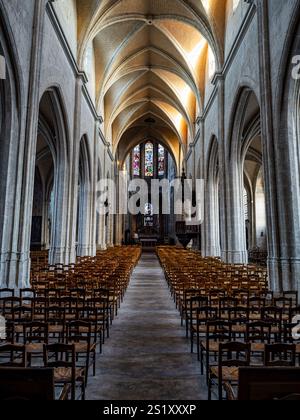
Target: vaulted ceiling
pixel 151 60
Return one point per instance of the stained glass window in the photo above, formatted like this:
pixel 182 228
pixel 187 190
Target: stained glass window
pixel 161 160
pixel 136 161
pixel 149 160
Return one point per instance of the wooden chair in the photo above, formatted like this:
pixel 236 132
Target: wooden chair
pixel 62 358
pixel 9 303
pixel 6 292
pixel 232 356
pixel 56 320
pixel 274 315
pixel 239 317
pixel 194 303
pixel 27 296
pixel 217 331
pixel 13 355
pixel 79 333
pixel 258 335
pixel 292 294
pixel 203 316
pixel 280 355
pixel 36 335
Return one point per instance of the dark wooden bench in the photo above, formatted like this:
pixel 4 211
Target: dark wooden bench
pixel 269 384
pixel 28 385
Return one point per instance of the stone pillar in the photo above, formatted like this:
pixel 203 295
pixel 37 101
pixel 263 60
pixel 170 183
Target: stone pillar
pixel 94 194
pixel 74 171
pixel 232 223
pixel 279 267
pixel 101 245
pixel 16 232
pixel 84 221
pixel 212 222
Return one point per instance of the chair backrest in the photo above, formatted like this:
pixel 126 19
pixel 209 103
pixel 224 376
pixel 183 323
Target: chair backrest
pixel 56 315
pixel 234 354
pixel 218 330
pixel 35 332
pixel 283 302
pixel 206 314
pixel 27 294
pixel 268 384
pixel 292 294
pixel 79 331
pixel 239 314
pixel 257 302
pixel 272 314
pixel 62 355
pixel 196 302
pixel 280 355
pixel 227 302
pixel 259 331
pixel 6 292
pixel 13 355
pixel 9 303
pixel 18 384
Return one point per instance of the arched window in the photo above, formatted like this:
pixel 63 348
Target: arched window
pixel 161 161
pixel 149 161
pixel 136 161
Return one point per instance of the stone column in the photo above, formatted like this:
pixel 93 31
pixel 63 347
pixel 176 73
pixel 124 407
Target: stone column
pixel 84 220
pixel 279 267
pixel 16 235
pixel 212 222
pixel 232 224
pixel 94 192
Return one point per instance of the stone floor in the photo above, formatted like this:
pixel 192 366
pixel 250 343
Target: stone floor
pixel 147 356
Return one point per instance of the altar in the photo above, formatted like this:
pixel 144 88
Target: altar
pixel 148 237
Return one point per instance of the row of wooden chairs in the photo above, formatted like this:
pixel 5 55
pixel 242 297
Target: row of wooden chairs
pixel 61 327
pixel 231 315
pixel 232 356
pixel 186 270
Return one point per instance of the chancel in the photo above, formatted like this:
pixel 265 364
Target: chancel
pixel 120 278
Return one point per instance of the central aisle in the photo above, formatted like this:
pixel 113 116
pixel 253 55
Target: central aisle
pixel 147 356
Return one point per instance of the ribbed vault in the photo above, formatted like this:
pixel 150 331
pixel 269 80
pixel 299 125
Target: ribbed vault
pixel 151 61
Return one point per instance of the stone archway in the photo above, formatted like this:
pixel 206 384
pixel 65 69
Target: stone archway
pixel 52 161
pixel 84 228
pixel 244 131
pixel 212 202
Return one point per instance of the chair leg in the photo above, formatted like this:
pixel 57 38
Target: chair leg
pixel 207 365
pixel 73 392
pixel 201 361
pixel 187 326
pixel 220 386
pixel 209 389
pixel 94 363
pixel 87 369
pixel 83 392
